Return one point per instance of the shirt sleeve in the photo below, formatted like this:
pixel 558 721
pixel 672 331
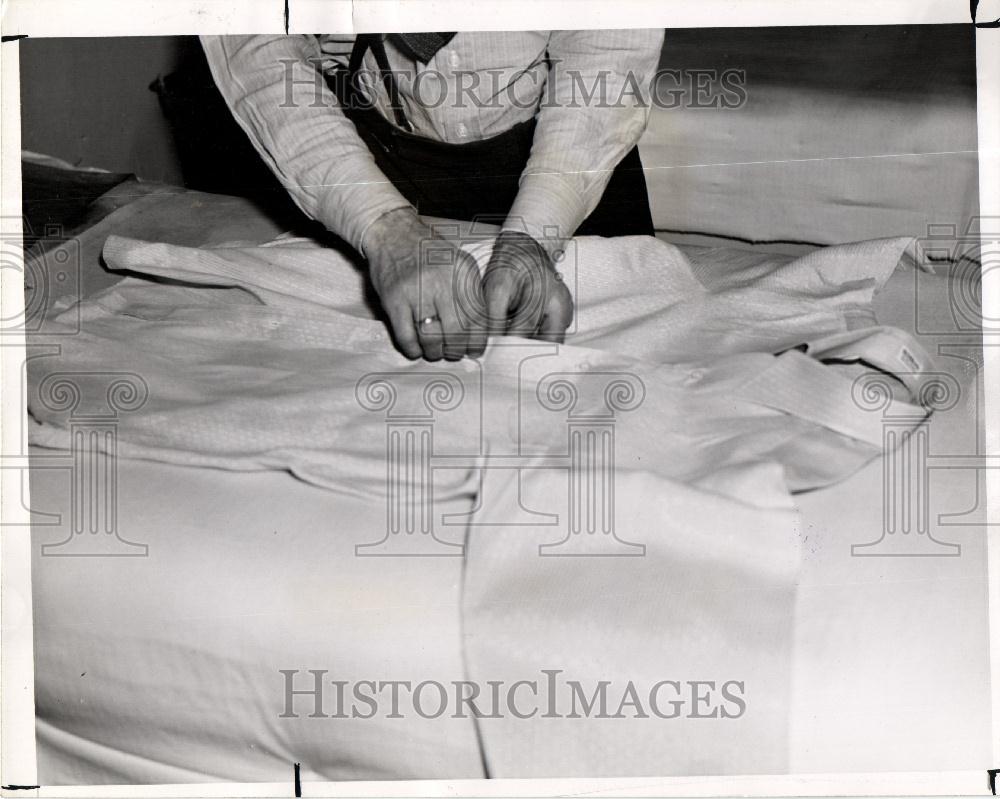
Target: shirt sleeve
pixel 593 112
pixel 275 88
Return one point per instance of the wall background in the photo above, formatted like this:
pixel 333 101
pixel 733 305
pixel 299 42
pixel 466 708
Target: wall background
pixel 88 102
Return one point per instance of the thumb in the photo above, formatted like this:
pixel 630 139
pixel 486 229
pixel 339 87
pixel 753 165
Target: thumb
pixel 557 316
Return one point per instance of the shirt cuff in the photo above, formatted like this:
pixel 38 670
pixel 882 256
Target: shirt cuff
pixel 549 210
pixel 350 212
pixel 373 216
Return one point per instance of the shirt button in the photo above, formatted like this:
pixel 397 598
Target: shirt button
pixel 462 130
pixel 453 59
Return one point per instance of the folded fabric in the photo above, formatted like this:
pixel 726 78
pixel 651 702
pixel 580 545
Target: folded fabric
pixel 254 359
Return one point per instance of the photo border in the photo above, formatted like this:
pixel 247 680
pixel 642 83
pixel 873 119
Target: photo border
pixel 46 18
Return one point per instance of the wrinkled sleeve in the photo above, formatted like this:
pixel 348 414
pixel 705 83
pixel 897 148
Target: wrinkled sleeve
pixel 275 89
pixel 591 116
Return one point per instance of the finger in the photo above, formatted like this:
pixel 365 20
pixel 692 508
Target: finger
pixel 404 332
pixel 431 337
pixel 474 315
pixel 478 338
pixel 456 339
pixel 498 288
pixel 557 317
pixel 467 289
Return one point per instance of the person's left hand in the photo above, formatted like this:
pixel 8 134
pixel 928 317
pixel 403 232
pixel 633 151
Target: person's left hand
pixel 524 293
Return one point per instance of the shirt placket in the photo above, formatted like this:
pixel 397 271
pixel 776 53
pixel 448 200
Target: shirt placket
pixel 460 117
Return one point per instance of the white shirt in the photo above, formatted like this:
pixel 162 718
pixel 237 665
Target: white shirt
pixel 588 89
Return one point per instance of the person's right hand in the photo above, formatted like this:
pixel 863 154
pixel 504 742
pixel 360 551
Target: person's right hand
pixel 429 288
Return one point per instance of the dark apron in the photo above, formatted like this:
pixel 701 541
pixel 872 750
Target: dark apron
pixel 478 179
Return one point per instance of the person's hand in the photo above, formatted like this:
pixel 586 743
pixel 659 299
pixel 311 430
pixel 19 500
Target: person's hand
pixel 429 288
pixel 524 293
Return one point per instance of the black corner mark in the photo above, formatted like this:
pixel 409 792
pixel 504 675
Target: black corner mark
pixel 5 39
pixel 973 7
pixel 20 787
pixel 993 779
pixel 297 779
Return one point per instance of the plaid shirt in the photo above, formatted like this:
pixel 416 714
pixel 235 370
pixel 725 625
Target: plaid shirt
pixel 588 89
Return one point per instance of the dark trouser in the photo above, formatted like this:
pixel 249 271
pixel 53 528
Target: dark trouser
pixel 480 179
